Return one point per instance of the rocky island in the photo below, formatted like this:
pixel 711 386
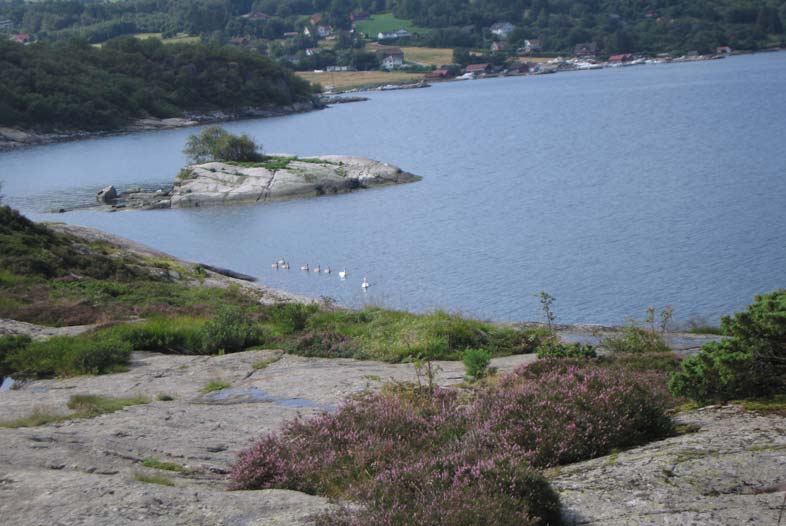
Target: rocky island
pixel 277 177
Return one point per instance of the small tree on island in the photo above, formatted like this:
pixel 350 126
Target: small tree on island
pixel 214 143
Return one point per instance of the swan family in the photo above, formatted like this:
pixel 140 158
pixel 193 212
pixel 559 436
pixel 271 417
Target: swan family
pixel 284 265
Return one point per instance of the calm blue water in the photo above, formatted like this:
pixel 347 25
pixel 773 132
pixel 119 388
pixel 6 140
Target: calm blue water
pixel 612 190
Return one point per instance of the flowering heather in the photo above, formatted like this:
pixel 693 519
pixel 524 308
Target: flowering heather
pixel 571 414
pixel 456 458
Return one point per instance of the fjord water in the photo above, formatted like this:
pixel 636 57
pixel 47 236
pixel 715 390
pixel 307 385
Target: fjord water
pixel 612 190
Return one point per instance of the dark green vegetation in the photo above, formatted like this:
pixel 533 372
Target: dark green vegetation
pixel 477 363
pixel 465 457
pixel 83 406
pixel 56 279
pixel 74 86
pixel 556 349
pixel 751 362
pixel 214 143
pixel 617 26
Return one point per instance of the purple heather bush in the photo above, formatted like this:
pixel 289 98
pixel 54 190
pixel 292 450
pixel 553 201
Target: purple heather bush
pixel 410 456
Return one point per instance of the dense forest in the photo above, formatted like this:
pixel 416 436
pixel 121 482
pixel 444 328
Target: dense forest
pixel 73 85
pixel 616 25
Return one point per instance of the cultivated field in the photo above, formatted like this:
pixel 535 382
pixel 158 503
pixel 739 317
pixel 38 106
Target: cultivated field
pixel 181 38
pixel 422 55
pixel 359 79
pixel 386 22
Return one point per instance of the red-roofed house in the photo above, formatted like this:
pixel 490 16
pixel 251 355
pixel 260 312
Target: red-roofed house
pixel 315 19
pixel 477 69
pixel 623 57
pixel 441 73
pixel 22 38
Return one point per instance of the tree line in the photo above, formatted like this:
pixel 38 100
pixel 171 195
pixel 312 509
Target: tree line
pixel 616 25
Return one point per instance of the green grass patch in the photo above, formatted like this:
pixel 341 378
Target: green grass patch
pixel 87 406
pixel 776 404
pixel 165 466
pixel 83 406
pixel 215 385
pixel 153 479
pixel 270 163
pixel 386 22
pixel 68 356
pixel 265 362
pixel 39 417
pixel 388 335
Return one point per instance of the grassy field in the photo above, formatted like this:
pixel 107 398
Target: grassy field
pixel 359 79
pixel 422 55
pixel 386 22
pixel 181 38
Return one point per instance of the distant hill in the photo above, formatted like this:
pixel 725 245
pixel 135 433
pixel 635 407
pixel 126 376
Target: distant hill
pixel 74 86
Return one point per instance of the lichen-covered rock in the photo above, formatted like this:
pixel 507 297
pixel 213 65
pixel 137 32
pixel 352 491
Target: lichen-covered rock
pixel 731 471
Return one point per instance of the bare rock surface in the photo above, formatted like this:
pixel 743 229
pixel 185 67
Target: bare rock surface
pixel 222 183
pixel 83 471
pixel 39 332
pixel 730 472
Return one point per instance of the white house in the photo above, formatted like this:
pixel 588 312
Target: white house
pixel 502 29
pixel 391 57
pixel 392 35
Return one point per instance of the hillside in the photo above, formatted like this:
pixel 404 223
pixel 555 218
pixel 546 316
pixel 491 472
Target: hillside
pixel 74 86
pixel 615 25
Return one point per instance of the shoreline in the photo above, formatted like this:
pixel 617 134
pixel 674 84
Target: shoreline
pixel 13 139
pixel 684 343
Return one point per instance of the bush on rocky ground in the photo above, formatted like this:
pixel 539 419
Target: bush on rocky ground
pixel 751 362
pixel 468 456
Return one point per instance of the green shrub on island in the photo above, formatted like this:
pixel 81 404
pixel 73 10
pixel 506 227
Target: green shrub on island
pixel 214 143
pixel 751 362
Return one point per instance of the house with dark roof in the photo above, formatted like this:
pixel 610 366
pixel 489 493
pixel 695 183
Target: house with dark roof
pixel 585 50
pixel 257 16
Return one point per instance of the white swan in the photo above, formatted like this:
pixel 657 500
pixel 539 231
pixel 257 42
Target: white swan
pixel 365 283
pixel 317 269
pixel 285 265
pixel 327 270
pixel 274 265
pixel 343 274
pixel 304 268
